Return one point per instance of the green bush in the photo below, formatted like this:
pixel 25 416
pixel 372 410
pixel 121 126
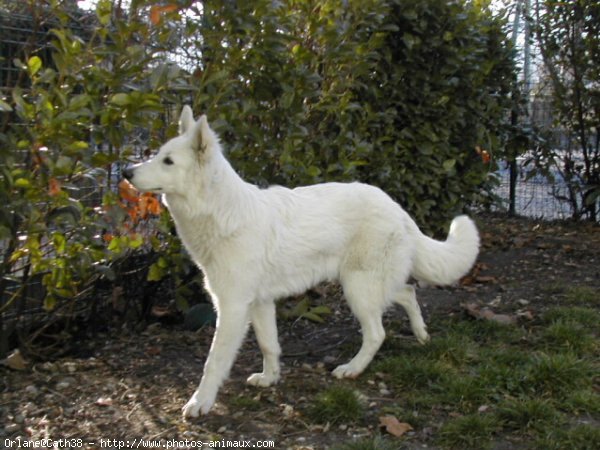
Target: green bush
pixel 409 96
pixel 65 125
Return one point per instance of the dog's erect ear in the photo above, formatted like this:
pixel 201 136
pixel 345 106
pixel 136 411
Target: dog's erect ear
pixel 205 137
pixel 204 126
pixel 186 119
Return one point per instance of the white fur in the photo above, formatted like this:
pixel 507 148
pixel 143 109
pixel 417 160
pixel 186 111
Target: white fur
pixel 255 246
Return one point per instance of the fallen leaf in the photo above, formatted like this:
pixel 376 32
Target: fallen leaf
pixel 467 280
pixel 160 311
pixel 394 426
pixel 486 313
pixel 104 401
pixel 527 314
pixel 15 361
pixel 287 411
pixel 474 310
pixel 473 277
pixel 503 319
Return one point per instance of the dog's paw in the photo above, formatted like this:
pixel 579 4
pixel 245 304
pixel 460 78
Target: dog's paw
pixel 346 371
pixel 262 379
pixel 422 336
pixel 195 406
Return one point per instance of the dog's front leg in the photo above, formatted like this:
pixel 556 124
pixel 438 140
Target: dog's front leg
pixel 232 323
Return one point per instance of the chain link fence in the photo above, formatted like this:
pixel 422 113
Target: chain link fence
pixel 535 196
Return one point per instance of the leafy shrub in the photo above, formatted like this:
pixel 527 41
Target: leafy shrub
pixel 65 128
pixel 409 96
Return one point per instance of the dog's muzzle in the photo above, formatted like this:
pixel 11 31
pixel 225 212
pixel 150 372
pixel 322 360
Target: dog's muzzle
pixel 128 173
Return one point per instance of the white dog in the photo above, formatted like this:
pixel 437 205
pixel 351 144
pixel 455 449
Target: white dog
pixel 255 246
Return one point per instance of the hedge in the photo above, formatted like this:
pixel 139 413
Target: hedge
pixel 413 97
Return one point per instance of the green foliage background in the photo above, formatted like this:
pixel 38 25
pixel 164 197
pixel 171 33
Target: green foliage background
pixel 395 93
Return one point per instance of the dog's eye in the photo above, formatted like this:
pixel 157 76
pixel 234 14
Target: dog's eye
pixel 168 161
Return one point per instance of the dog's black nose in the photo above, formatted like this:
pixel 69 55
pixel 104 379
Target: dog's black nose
pixel 128 173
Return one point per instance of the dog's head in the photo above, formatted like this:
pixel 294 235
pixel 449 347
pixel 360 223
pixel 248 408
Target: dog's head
pixel 176 164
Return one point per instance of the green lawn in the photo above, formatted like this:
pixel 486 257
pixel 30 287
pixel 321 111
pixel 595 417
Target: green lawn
pixel 479 384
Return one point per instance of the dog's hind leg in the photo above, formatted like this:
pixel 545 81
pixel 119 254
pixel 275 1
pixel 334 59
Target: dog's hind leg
pixel 263 318
pixel 365 297
pixel 408 300
pixel 232 323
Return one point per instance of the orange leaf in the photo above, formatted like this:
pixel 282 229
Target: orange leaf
pixel 485 157
pixel 152 204
pixel 54 187
pixel 483 154
pixel 128 192
pixel 143 207
pixel 155 15
pixel 157 11
pixel 133 212
pixel 394 426
pixel 155 207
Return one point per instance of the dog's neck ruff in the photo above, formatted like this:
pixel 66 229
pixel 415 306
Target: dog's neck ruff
pixel 214 209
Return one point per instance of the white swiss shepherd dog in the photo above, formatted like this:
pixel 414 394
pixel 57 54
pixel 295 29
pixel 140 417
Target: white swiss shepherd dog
pixel 255 246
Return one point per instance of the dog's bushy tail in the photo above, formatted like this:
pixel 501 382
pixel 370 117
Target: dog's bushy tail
pixel 442 263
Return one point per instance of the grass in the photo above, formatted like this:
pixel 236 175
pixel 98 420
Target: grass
pixel 586 317
pixel 580 437
pixel 480 383
pixel 413 372
pixel 337 404
pixel 473 431
pixel 527 414
pixel 555 375
pixel 582 295
pixel 247 403
pixel 568 336
pixel 573 295
pixel 583 402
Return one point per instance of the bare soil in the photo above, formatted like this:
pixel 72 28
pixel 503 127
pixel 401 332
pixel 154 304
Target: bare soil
pixel 131 385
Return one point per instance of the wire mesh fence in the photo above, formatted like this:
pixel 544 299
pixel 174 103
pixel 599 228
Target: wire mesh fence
pixel 535 196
